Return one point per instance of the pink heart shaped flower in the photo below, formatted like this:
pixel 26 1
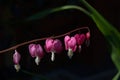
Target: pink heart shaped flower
pixel 88 38
pixel 70 45
pixel 80 38
pixel 53 46
pixel 36 51
pixel 16 60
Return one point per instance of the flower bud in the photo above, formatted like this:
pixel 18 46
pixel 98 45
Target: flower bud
pixel 88 38
pixel 16 60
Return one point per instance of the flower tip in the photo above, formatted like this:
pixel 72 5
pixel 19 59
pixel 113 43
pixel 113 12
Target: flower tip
pixel 17 67
pixel 37 60
pixel 70 53
pixel 88 39
pixel 88 35
pixel 52 56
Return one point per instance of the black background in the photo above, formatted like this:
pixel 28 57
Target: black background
pixel 92 60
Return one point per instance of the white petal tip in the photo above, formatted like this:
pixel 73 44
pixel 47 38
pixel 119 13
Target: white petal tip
pixel 37 60
pixel 17 67
pixel 52 56
pixel 52 60
pixel 70 53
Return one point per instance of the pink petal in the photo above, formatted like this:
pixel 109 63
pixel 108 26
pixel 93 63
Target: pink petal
pixel 66 39
pixel 80 38
pixel 57 46
pixel 88 35
pixel 16 57
pixel 72 43
pixel 39 51
pixel 74 48
pixel 48 44
pixel 32 50
pixel 76 36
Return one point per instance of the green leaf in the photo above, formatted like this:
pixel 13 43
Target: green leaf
pixel 116 77
pixel 116 59
pixel 45 13
pixel 110 32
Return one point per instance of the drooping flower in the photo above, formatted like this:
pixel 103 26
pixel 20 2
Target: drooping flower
pixel 80 38
pixel 16 60
pixel 88 35
pixel 70 45
pixel 53 46
pixel 36 51
pixel 87 38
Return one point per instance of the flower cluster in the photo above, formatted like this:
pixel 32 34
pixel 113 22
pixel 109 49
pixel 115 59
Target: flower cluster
pixel 53 46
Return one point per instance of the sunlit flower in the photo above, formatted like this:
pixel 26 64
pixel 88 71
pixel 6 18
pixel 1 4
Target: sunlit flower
pixel 53 46
pixel 80 38
pixel 36 51
pixel 16 60
pixel 70 45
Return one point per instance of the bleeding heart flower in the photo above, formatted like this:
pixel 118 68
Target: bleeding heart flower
pixel 70 45
pixel 88 38
pixel 88 35
pixel 36 51
pixel 80 38
pixel 53 46
pixel 16 60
